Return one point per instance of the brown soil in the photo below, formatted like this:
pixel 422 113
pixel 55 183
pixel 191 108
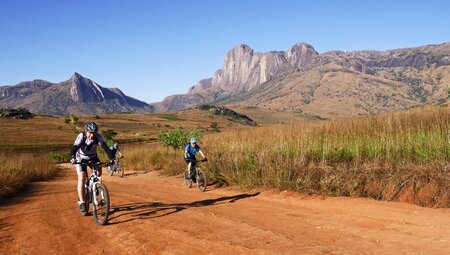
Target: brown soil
pixel 152 214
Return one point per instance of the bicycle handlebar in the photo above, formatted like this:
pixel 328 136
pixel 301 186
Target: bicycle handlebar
pixel 91 163
pixel 195 161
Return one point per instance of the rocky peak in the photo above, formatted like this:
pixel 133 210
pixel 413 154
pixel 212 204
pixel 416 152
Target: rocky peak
pixel 301 55
pixel 85 90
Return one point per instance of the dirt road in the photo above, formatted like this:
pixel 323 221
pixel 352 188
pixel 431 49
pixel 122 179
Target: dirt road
pixel 157 215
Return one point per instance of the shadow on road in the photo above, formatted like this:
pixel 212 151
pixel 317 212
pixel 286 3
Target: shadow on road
pixel 147 210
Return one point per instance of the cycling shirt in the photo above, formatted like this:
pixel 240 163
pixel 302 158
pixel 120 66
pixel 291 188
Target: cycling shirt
pixel 191 151
pixel 88 149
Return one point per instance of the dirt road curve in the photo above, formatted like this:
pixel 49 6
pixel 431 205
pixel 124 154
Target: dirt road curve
pixel 157 215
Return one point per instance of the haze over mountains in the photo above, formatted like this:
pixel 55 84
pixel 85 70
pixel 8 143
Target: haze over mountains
pixel 78 95
pixel 330 84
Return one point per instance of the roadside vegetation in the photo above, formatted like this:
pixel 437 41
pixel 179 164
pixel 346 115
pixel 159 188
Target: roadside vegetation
pixel 18 169
pixel 400 156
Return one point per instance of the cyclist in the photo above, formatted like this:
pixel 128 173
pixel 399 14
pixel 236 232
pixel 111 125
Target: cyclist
pixel 189 154
pixel 84 150
pixel 114 150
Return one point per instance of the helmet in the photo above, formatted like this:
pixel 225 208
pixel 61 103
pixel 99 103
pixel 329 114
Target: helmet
pixel 91 127
pixel 194 140
pixel 116 145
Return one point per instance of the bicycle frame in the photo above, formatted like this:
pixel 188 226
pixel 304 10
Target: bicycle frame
pixel 93 180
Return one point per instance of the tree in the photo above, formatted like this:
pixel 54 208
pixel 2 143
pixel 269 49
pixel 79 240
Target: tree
pixel 177 138
pixel 108 135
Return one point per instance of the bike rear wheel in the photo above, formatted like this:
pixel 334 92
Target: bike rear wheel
pixel 187 181
pixel 201 180
pixel 101 204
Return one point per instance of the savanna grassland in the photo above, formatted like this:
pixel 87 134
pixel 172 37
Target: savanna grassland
pixel 401 156
pixel 30 148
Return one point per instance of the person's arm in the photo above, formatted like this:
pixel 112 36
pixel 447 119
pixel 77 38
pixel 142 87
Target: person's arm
pixel 76 146
pixel 104 146
pixel 120 153
pixel 74 150
pixel 106 149
pixel 201 153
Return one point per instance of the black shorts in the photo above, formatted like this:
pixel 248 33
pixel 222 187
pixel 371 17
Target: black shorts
pixel 91 162
pixel 191 160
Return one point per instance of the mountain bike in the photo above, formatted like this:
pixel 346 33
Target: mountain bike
pixel 95 192
pixel 116 168
pixel 197 176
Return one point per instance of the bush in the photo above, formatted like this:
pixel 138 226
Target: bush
pixel 177 138
pixel 214 127
pixel 109 135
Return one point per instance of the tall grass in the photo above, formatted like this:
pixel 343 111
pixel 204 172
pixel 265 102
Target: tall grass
pixel 18 169
pixel 397 156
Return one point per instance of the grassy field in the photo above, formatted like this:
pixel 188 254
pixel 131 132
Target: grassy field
pixel 26 145
pixel 400 156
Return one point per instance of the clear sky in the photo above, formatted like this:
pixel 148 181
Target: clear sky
pixel 155 48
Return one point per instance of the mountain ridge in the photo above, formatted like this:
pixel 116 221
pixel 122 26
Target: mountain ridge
pixel 78 95
pixel 366 82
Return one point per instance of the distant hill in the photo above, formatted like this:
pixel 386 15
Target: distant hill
pixel 78 95
pixel 330 84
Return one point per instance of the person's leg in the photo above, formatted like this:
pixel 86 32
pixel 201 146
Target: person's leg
pixel 189 168
pixel 80 187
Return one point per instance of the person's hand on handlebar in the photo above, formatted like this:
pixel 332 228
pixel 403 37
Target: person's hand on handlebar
pixel 73 161
pixel 205 159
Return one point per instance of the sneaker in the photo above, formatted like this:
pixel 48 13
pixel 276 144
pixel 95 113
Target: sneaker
pixel 102 202
pixel 82 206
pixel 189 175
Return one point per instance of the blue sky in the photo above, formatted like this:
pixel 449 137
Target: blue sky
pixel 152 49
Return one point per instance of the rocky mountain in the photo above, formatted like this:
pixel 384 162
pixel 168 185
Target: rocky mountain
pixel 330 84
pixel 78 95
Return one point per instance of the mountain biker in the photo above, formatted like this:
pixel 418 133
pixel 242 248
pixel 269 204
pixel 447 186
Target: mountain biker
pixel 189 154
pixel 85 150
pixel 114 150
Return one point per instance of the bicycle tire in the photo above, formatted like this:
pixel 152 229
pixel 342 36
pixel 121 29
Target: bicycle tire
pixel 201 180
pixel 101 209
pixel 122 170
pixel 187 181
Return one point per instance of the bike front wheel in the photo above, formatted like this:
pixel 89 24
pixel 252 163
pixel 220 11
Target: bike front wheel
pixel 101 204
pixel 121 170
pixel 201 180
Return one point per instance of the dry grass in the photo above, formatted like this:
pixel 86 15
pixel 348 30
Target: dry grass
pixel 16 170
pixel 396 157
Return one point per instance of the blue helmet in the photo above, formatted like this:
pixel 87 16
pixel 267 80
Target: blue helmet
pixel 194 140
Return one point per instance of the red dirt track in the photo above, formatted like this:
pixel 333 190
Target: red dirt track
pixel 153 214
